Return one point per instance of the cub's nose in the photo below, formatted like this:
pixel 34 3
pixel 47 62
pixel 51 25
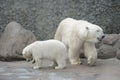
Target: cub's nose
pixel 103 36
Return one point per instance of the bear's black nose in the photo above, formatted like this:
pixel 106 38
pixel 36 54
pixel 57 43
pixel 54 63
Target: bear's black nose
pixel 103 36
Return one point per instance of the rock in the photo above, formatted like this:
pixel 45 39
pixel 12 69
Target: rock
pixel 110 38
pixel 117 44
pixel 118 54
pixel 13 40
pixel 106 52
pixel 98 45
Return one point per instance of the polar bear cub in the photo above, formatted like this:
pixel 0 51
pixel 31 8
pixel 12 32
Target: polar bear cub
pixel 49 49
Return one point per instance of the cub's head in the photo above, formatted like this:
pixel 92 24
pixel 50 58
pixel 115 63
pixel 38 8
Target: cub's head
pixel 27 54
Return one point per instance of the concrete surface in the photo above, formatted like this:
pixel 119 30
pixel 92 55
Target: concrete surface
pixel 108 69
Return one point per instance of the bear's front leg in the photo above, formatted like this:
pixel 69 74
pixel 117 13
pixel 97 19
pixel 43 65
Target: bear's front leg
pixel 38 63
pixel 90 52
pixel 32 61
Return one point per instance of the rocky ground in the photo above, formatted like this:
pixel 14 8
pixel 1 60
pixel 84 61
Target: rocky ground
pixel 107 69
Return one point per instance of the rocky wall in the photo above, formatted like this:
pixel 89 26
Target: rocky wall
pixel 43 16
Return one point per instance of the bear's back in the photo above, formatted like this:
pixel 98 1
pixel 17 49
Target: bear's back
pixel 52 49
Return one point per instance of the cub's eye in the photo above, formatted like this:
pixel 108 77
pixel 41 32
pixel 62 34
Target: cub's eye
pixel 98 30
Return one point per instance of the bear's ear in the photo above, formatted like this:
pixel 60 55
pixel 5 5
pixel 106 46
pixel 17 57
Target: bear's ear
pixel 87 28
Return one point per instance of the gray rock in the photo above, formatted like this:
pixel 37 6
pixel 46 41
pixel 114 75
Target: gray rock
pixel 117 44
pixel 106 52
pixel 118 54
pixel 98 45
pixel 13 40
pixel 110 39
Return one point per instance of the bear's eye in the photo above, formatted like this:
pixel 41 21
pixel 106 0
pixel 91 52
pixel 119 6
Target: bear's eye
pixel 98 30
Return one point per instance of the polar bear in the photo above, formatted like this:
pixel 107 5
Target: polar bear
pixel 77 34
pixel 49 49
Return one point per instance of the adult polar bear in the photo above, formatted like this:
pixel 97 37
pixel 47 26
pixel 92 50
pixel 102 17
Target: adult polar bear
pixel 49 49
pixel 77 34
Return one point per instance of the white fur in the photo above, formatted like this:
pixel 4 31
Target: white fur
pixel 76 34
pixel 50 49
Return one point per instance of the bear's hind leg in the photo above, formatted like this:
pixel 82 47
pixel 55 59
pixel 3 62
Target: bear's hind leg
pixel 73 55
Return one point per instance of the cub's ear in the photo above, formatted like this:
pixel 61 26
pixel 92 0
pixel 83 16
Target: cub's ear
pixel 87 28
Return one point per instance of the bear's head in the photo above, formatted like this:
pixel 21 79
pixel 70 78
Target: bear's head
pixel 27 54
pixel 90 32
pixel 94 33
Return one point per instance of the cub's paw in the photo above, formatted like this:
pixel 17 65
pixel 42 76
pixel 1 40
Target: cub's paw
pixel 36 67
